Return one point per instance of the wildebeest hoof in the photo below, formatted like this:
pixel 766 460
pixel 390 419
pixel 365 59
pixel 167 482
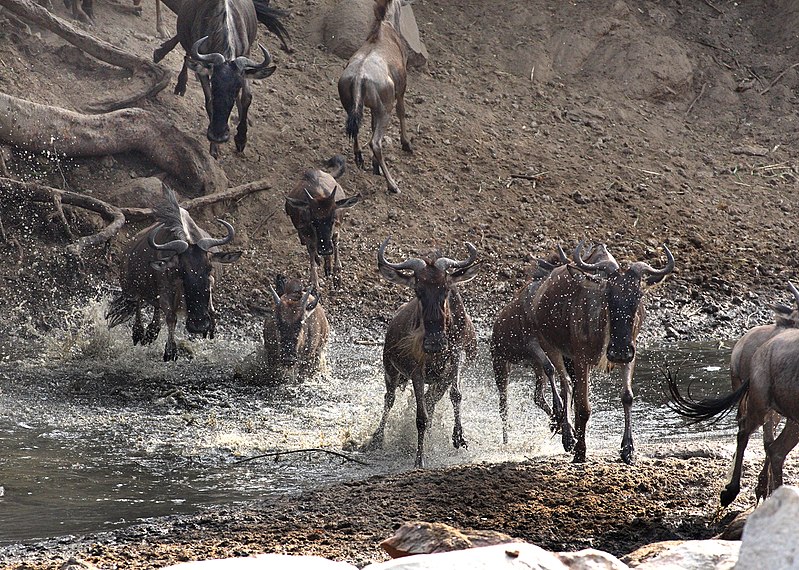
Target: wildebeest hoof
pixel 393 189
pixel 406 146
pixel 627 455
pixel 728 495
pixel 138 335
pixel 359 160
pixel 170 351
pixel 179 89
pixel 240 145
pixel 458 442
pixel 150 335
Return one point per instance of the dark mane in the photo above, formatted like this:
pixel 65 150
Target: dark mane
pixel 219 32
pixel 168 213
pixel 380 14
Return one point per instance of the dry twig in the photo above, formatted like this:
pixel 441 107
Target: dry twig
pixel 776 79
pixel 691 106
pixel 306 450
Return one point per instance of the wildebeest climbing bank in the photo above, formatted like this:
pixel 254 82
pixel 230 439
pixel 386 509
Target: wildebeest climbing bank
pixel 664 133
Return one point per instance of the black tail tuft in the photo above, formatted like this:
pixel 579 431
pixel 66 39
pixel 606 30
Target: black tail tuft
pixel 270 17
pixel 713 409
pixel 120 309
pixel 338 163
pixel 354 122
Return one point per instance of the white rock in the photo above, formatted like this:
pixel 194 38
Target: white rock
pixel 517 555
pixel 770 534
pixel 696 555
pixel 265 562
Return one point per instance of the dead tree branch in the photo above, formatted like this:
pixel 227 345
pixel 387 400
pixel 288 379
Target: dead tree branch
pixel 100 49
pixel 35 127
pixel 310 449
pixel 40 193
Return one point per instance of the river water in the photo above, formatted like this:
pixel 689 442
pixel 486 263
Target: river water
pixel 96 434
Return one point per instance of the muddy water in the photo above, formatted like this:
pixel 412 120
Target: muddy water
pixel 96 434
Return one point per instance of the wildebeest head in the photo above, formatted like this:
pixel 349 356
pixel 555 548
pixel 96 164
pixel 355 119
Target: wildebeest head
pixel 623 289
pixel 293 305
pixel 322 213
pixel 433 280
pixel 193 264
pixel 227 77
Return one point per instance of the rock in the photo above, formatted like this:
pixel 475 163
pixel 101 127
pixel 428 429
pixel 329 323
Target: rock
pixel 346 26
pixel 265 562
pixel 693 554
pixel 769 537
pixel 426 538
pixel 76 564
pixel 512 555
pixel 735 529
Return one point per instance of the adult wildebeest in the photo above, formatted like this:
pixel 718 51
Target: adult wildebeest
pixel 224 30
pixel 314 206
pixel 171 266
pixel 425 338
pixel 300 326
pixel 590 313
pixel 765 367
pixel 375 77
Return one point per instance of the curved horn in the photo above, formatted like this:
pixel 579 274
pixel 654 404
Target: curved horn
pixel 562 255
pixel 445 263
pixel 246 63
pixel 176 245
pixel 212 58
pixel 207 243
pixel 275 296
pixel 647 269
pixel 412 263
pixel 304 300
pixel 578 260
pixel 793 291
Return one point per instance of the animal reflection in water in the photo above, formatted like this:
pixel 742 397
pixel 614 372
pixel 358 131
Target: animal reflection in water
pixel 764 369
pixel 172 266
pixel 296 333
pixel 425 338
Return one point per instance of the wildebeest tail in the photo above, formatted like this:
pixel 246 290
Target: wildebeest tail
pixel 270 17
pixel 355 115
pixel 713 409
pixel 338 163
pixel 121 309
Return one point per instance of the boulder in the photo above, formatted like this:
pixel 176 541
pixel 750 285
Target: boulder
pixel 769 537
pixel 346 26
pixel 513 555
pixel 426 538
pixel 265 562
pixel 693 554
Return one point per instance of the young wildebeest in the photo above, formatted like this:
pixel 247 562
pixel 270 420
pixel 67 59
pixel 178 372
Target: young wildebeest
pixel 171 266
pixel 375 76
pixel 314 208
pixel 300 326
pixel 425 338
pixel 224 30
pixel 590 313
pixel 764 367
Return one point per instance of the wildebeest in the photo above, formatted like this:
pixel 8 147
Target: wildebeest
pixel 314 206
pixel 425 338
pixel 300 326
pixel 171 266
pixel 375 77
pixel 590 313
pixel 217 36
pixel 765 365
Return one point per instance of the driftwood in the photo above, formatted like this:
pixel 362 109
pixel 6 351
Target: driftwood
pixel 34 192
pixel 38 128
pixel 306 450
pixel 100 49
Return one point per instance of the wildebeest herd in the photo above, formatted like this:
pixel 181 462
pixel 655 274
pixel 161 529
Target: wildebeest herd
pixel 575 314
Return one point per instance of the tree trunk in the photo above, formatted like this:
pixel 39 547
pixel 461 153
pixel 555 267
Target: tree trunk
pixel 102 50
pixel 38 128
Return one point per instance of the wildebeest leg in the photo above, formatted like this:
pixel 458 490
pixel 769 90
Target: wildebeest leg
pixel 160 52
pixel 376 441
pixel 406 143
pixel 455 397
pixel 501 370
pixel 745 429
pixel 84 14
pixel 422 418
pixel 627 447
pixel 313 272
pixel 183 76
pixel 771 476
pixel 153 328
pixel 336 263
pixel 138 328
pixel 556 413
pixel 171 347
pixel 159 24
pixel 243 103
pixel 582 409
pixel 380 121
pixel 205 81
pixel 567 431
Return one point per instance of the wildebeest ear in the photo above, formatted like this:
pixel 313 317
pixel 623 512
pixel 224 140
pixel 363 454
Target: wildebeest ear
pixel 465 274
pixel 260 73
pixel 781 309
pixel 347 202
pixel 396 277
pixel 296 203
pixel 226 257
pixel 280 283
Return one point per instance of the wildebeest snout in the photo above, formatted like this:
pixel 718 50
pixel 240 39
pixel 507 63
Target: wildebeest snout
pixel 198 325
pixel 218 136
pixel 621 354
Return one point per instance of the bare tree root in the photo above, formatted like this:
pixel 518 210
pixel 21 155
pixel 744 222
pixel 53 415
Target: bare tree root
pixel 236 193
pixel 100 49
pixel 40 193
pixel 38 128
